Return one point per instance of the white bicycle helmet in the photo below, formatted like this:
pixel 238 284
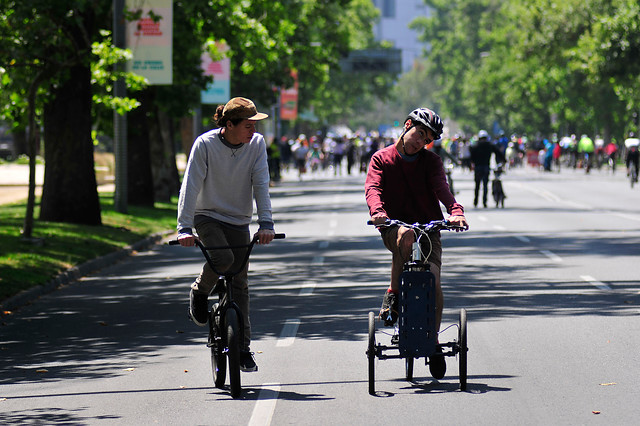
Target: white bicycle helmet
pixel 429 119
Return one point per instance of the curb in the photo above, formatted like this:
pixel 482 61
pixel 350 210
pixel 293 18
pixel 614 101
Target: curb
pixel 26 297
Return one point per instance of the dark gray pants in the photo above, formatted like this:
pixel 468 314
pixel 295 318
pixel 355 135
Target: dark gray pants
pixel 215 234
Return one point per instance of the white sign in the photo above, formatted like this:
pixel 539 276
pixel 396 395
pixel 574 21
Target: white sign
pixel 150 40
pixel 218 91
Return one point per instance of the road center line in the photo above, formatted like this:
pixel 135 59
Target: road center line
pixel 323 244
pixel 551 255
pixel 288 334
pixel 317 260
pixel 596 283
pixel 522 238
pixel 265 405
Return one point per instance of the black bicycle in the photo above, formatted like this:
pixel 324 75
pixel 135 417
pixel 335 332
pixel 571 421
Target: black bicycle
pixel 415 334
pixel 226 326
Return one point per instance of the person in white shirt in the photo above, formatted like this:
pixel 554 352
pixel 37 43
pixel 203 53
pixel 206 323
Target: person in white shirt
pixel 226 170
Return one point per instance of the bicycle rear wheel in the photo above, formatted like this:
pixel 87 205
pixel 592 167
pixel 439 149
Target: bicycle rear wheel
pixel 371 353
pixel 462 355
pixel 233 351
pixel 216 344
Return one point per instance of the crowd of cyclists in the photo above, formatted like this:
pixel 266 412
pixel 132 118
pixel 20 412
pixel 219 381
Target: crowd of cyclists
pixel 335 155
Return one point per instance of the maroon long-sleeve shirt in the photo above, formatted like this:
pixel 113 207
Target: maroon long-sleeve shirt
pixel 410 191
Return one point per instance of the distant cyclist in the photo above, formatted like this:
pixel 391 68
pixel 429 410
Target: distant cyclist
pixel 407 182
pixel 586 147
pixel 631 159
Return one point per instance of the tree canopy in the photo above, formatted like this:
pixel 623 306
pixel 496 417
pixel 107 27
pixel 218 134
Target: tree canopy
pixel 536 66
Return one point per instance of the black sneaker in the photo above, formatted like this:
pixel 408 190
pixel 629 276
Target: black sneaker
pixel 247 363
pixel 389 309
pixel 198 308
pixel 437 364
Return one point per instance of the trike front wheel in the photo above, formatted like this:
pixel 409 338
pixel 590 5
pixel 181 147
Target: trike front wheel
pixel 462 355
pixel 371 353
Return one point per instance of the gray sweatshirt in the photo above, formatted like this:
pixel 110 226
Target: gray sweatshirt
pixel 220 182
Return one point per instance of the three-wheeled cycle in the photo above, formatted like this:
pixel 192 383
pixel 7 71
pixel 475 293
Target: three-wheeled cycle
pixel 415 334
pixel 226 327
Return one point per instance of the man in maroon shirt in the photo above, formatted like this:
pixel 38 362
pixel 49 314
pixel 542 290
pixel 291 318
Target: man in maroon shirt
pixel 407 182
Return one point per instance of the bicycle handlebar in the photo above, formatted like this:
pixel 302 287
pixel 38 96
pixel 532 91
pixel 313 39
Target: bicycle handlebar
pixel 205 252
pixel 203 247
pixel 433 226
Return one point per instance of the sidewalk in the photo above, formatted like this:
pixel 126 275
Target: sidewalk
pixel 14 182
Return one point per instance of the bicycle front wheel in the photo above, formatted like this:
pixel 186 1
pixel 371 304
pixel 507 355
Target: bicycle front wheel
pixel 216 344
pixel 233 351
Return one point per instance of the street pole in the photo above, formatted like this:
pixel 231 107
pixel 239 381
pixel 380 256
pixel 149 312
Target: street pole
pixel 120 121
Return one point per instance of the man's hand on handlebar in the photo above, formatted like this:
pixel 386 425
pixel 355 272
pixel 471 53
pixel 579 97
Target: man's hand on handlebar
pixel 186 240
pixel 459 220
pixel 265 236
pixel 379 219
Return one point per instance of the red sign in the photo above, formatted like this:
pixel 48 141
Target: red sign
pixel 289 100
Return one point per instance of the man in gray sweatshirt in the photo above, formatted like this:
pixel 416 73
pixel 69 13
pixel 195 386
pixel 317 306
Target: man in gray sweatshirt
pixel 227 169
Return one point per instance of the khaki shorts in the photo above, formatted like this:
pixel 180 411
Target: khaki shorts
pixel 431 247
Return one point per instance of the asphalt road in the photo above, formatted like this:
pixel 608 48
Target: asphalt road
pixel 550 284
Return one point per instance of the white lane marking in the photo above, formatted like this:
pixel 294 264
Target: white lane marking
pixel 331 233
pixel 499 228
pixel 307 289
pixel 317 260
pixel 323 244
pixel 265 406
pixel 627 216
pixel 551 255
pixel 523 238
pixel 288 334
pixel 483 218
pixel 333 223
pixel 596 283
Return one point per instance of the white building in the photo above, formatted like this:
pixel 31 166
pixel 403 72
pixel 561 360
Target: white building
pixel 395 16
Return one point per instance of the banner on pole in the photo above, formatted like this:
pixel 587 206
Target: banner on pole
pixel 289 100
pixel 217 92
pixel 150 39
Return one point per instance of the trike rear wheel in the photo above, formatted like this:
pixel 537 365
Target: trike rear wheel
pixel 462 355
pixel 371 353
pixel 216 344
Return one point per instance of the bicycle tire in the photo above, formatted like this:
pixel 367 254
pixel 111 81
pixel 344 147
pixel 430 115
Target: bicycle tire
pixel 216 344
pixel 462 355
pixel 371 353
pixel 232 328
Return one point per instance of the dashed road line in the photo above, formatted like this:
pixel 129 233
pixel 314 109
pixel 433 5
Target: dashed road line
pixel 307 289
pixel 288 333
pixel 596 283
pixel 551 255
pixel 522 238
pixel 265 405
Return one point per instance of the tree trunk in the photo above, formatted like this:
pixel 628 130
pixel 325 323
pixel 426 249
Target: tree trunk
pixel 163 157
pixel 70 193
pixel 139 177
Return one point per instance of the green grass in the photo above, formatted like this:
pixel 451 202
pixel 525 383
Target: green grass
pixel 63 245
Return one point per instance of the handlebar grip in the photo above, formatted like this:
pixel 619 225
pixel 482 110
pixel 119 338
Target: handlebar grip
pixel 279 236
pixel 174 243
pixel 369 222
